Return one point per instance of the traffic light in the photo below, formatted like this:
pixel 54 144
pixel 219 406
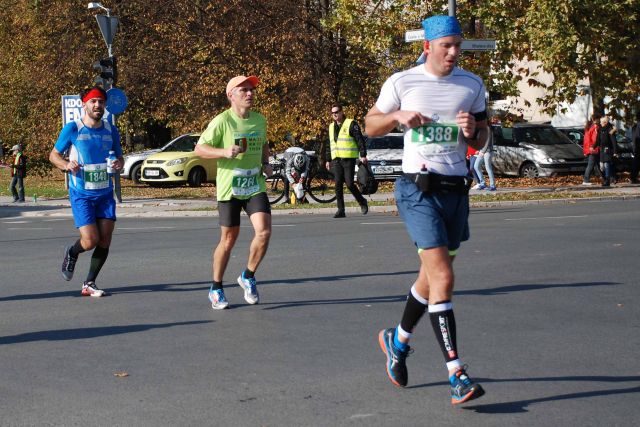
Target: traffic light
pixel 107 72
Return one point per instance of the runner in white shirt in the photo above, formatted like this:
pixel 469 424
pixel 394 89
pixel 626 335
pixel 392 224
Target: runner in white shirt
pixel 441 109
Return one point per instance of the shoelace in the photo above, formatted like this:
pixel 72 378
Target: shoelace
pixel 252 284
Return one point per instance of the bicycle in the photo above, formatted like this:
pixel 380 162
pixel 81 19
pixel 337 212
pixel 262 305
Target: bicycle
pixel 320 184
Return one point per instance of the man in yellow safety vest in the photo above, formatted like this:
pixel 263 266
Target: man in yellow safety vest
pixel 347 145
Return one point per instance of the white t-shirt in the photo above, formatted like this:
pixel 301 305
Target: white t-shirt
pixel 439 146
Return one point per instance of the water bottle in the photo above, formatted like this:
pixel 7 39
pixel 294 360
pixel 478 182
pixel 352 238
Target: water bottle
pixel 110 160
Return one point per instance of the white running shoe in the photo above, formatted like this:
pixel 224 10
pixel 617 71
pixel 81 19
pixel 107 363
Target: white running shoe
pixel 218 300
pixel 250 289
pixel 89 289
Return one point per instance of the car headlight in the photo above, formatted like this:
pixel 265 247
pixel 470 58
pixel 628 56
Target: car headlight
pixel 552 160
pixel 179 161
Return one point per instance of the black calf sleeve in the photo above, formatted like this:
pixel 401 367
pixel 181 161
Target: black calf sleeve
pixel 76 249
pixel 413 312
pixel 444 326
pixel 97 261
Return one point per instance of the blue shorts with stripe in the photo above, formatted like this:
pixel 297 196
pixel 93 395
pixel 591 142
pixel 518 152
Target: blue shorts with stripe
pixel 434 219
pixel 87 209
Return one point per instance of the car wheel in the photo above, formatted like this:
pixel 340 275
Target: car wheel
pixel 529 170
pixel 196 177
pixel 136 173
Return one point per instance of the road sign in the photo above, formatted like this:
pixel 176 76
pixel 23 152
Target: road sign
pixel 471 44
pixel 116 101
pixel 108 27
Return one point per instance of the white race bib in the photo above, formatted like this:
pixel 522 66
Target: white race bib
pixel 95 176
pixel 245 182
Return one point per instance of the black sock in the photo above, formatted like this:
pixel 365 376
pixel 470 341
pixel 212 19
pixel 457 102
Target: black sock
pixel 413 312
pixel 76 249
pixel 97 261
pixel 444 326
pixel 216 285
pixel 248 273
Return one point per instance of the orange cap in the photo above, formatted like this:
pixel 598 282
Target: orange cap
pixel 238 80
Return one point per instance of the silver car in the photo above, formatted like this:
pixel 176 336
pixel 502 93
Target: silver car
pixel 384 154
pixel 535 150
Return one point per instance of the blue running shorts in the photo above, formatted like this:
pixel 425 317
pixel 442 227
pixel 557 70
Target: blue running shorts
pixel 87 209
pixel 435 219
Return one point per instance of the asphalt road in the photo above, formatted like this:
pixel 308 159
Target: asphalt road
pixel 546 305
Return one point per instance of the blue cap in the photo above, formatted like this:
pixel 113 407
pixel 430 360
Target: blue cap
pixel 441 26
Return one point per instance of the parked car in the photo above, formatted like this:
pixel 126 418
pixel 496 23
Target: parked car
pixel 535 150
pixel 384 154
pixel 179 165
pixel 575 134
pixel 624 147
pixel 133 161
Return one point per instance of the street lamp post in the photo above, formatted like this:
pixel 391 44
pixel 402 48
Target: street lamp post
pixel 107 67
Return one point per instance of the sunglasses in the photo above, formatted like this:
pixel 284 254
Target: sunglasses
pixel 336 112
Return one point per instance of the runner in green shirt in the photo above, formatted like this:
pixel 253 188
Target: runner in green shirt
pixel 237 137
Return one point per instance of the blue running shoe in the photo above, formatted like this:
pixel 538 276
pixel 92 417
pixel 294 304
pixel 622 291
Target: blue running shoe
pixel 396 359
pixel 463 389
pixel 218 301
pixel 250 289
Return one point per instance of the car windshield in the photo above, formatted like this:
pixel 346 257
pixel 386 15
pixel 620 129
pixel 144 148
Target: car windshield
pixel 186 143
pixel 541 136
pixel 386 142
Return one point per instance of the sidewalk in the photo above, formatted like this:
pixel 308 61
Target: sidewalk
pixel 141 208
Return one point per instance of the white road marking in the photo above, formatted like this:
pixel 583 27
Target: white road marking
pixel 546 217
pixel 30 228
pixel 16 222
pixel 145 228
pixel 382 223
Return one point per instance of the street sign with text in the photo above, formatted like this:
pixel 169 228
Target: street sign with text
pixel 471 44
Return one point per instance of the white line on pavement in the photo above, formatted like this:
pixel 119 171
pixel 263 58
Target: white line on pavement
pixel 546 217
pixel 382 223
pixel 30 228
pixel 145 228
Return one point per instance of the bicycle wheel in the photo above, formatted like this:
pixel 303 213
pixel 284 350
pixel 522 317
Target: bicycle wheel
pixel 276 188
pixel 322 187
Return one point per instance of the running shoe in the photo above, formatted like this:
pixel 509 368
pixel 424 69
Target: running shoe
pixel 478 187
pixel 396 359
pixel 68 264
pixel 492 188
pixel 463 388
pixel 89 289
pixel 364 208
pixel 250 289
pixel 218 300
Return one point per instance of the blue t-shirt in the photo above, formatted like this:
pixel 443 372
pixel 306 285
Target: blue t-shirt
pixel 90 148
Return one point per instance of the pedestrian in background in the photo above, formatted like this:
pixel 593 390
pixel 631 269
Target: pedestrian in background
pixel 606 142
pixel 237 137
pixel 591 152
pixel 346 142
pixel 483 158
pixel 18 173
pixel 635 140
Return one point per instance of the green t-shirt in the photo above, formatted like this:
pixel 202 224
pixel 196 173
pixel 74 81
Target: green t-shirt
pixel 241 177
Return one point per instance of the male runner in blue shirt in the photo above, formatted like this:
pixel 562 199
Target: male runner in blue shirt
pixel 88 142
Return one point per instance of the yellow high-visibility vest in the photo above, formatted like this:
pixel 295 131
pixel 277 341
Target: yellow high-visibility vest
pixel 345 146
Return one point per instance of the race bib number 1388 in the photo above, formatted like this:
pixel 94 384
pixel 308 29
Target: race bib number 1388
pixel 435 133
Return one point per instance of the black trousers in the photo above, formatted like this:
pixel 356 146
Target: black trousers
pixel 635 167
pixel 344 171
